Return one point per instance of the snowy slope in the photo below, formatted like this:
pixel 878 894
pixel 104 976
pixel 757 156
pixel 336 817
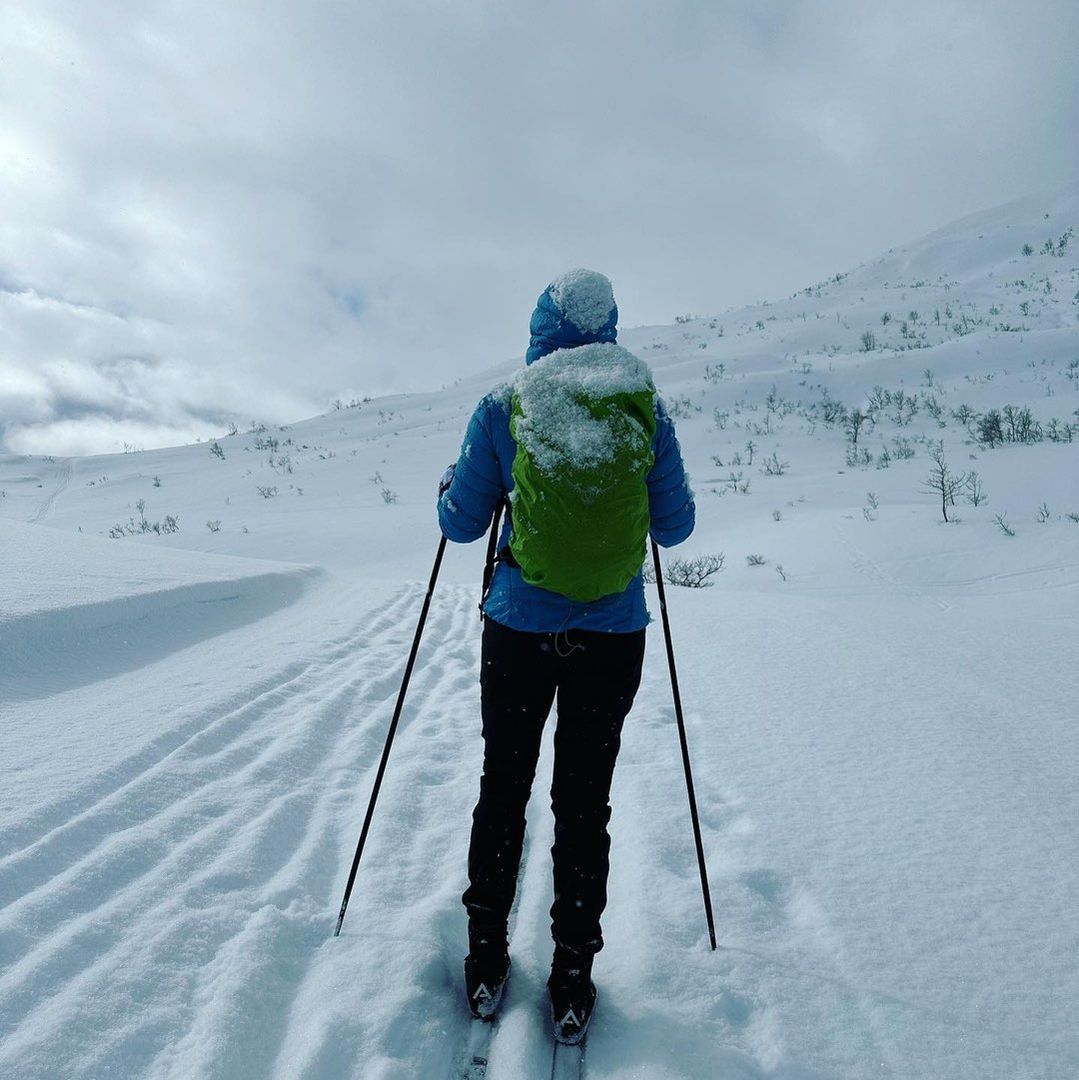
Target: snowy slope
pixel 881 714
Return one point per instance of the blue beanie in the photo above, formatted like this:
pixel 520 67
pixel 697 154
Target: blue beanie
pixel 576 309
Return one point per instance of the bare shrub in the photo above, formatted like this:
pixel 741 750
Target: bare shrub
pixel 693 573
pixel 941 480
pixel 772 466
pixel 975 489
pixel 131 527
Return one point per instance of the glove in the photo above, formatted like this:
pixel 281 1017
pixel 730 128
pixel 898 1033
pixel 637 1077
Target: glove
pixel 446 480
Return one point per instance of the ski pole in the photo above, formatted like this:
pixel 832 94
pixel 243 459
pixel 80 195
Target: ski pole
pixel 685 747
pixel 492 542
pixel 389 735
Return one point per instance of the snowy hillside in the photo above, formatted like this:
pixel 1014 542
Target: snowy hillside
pixel 200 648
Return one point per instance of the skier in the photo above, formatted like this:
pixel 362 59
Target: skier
pixel 584 454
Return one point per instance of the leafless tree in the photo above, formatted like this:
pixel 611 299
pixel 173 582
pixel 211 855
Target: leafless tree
pixel 941 480
pixel 855 419
pixel 975 489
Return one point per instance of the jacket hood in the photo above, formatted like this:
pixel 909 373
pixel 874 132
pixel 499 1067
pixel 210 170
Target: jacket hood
pixel 576 309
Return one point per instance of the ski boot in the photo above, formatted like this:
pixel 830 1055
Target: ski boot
pixel 573 994
pixel 486 971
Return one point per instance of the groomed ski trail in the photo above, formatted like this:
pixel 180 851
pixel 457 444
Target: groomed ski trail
pixel 164 913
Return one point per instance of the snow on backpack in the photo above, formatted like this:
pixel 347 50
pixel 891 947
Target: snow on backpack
pixel 584 421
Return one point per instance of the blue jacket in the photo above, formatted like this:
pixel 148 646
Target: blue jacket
pixel 483 477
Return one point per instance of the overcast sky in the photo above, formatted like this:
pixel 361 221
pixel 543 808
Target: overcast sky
pixel 222 209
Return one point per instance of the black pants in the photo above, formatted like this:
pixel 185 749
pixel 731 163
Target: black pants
pixel 595 676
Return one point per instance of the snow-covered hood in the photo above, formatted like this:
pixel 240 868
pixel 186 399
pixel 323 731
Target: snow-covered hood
pixel 577 308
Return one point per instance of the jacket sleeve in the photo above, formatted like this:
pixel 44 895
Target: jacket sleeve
pixel 670 498
pixel 465 508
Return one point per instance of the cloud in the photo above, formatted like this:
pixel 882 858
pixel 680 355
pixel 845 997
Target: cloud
pixel 277 203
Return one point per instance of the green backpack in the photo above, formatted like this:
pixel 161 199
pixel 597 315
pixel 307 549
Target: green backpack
pixel 584 421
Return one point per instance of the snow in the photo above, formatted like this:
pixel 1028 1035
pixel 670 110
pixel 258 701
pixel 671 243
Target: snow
pixel 585 297
pixel 51 571
pixel 503 395
pixel 556 426
pixel 883 737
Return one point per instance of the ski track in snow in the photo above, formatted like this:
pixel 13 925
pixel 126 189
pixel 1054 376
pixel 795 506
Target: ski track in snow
pixel 156 891
pixel 865 564
pixel 63 478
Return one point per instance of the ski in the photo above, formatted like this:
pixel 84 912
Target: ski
pixel 478 1050
pixel 482 1031
pixel 567 1061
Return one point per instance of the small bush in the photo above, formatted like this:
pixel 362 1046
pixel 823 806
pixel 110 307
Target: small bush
pixel 682 407
pixel 693 573
pixel 964 415
pixel 756 560
pixel 990 429
pixel 772 466
pixel 131 527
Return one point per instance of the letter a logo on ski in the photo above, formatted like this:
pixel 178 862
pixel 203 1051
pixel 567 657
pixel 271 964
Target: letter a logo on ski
pixel 569 1018
pixel 482 993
